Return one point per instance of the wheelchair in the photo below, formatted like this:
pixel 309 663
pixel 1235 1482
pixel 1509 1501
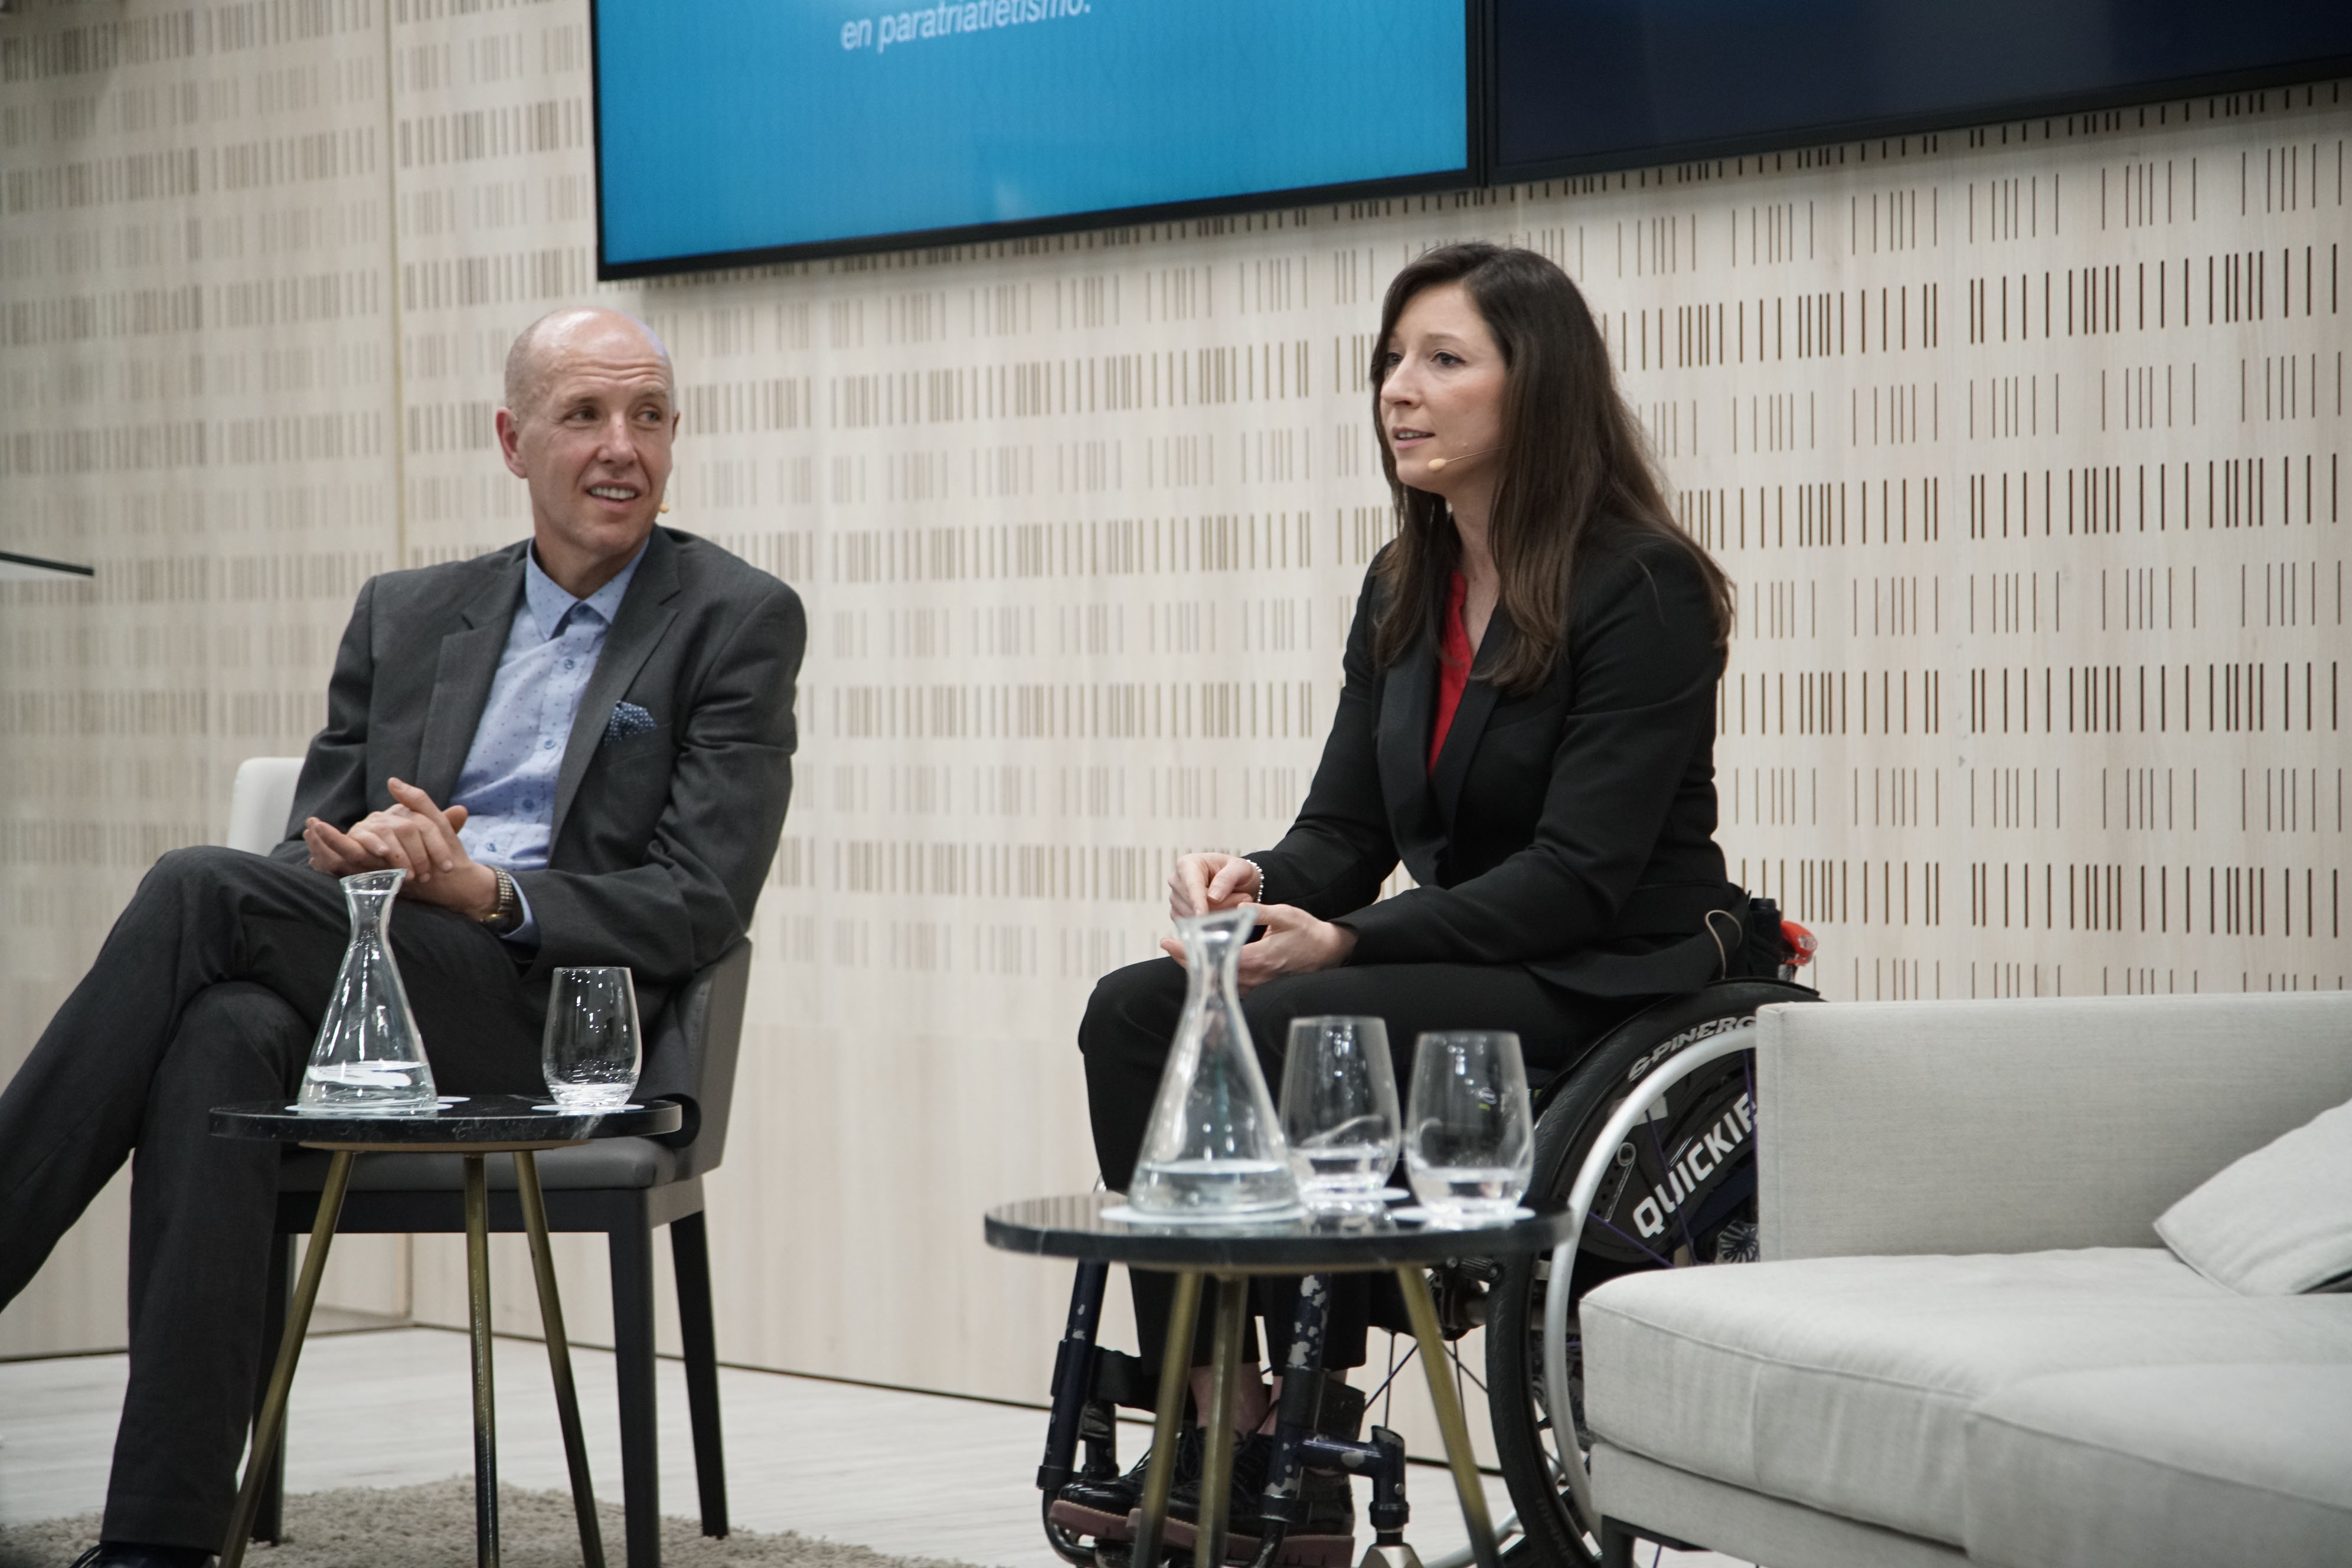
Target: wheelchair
pixel 1679 1191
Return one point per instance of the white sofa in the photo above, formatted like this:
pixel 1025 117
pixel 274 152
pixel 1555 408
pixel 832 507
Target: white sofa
pixel 1966 1342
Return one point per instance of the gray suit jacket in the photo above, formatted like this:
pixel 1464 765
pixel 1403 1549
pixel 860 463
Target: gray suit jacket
pixel 661 836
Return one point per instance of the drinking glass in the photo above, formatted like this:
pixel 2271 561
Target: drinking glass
pixel 1339 1112
pixel 590 1049
pixel 1469 1146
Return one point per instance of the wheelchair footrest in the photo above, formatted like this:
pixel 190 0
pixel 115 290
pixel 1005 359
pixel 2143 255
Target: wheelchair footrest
pixel 1295 1551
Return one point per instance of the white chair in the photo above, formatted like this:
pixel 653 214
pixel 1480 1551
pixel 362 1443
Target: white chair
pixel 261 801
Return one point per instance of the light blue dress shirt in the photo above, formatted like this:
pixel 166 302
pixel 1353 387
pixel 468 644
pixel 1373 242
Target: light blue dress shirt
pixel 508 784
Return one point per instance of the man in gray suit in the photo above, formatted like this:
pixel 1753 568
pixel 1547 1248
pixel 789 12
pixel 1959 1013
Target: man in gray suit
pixel 606 710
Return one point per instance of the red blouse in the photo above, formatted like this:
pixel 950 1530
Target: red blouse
pixel 1454 654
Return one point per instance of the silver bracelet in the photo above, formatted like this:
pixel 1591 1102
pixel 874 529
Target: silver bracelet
pixel 1261 879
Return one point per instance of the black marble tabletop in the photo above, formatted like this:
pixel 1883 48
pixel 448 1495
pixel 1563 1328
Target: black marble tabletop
pixel 480 1119
pixel 1075 1226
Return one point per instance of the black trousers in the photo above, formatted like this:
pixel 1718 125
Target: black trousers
pixel 209 991
pixel 1131 1021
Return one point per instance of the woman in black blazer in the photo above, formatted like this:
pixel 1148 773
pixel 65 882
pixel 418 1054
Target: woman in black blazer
pixel 1553 797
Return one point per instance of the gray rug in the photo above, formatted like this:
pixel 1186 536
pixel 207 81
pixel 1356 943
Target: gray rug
pixel 431 1526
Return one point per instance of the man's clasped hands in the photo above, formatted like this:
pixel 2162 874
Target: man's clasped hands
pixel 415 836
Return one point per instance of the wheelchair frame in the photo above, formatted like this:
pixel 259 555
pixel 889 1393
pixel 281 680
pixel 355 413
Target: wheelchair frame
pixel 1657 1052
pixel 1090 1382
pixel 1569 1457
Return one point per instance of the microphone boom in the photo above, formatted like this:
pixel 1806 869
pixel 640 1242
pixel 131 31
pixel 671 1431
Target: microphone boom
pixel 1437 465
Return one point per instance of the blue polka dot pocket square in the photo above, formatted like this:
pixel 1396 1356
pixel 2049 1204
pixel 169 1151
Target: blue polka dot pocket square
pixel 628 719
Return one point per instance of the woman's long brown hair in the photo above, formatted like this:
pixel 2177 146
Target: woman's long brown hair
pixel 1572 454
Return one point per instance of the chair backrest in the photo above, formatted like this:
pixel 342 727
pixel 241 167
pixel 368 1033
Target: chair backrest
pixel 692 1058
pixel 2016 1126
pixel 260 802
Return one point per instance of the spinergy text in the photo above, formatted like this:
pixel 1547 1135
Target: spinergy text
pixel 878 33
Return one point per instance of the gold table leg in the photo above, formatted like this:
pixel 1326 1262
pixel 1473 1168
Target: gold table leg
pixel 486 1436
pixel 1175 1363
pixel 1450 1426
pixel 1217 1454
pixel 559 1356
pixel 289 1351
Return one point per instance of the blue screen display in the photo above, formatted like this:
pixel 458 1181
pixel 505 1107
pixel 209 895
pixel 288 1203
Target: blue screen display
pixel 728 126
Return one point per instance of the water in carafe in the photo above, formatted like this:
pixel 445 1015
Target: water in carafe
pixel 1214 1150
pixel 368 1086
pixel 369 1058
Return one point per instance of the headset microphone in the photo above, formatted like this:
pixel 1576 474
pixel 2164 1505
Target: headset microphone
pixel 1437 465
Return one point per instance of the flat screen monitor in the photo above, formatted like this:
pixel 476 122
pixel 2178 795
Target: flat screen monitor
pixel 730 131
pixel 1587 85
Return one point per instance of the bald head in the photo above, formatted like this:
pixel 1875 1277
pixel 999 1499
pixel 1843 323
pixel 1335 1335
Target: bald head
pixel 589 416
pixel 544 344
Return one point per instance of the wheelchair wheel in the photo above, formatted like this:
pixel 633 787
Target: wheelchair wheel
pixel 1682 1193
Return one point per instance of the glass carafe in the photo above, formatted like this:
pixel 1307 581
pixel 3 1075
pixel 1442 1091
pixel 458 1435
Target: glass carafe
pixel 369 1058
pixel 1214 1150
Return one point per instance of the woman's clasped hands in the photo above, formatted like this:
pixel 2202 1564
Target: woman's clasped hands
pixel 1294 942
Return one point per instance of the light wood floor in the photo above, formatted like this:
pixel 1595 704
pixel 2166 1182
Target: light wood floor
pixel 905 1474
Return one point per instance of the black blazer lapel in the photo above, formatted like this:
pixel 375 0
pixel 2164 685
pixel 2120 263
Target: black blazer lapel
pixel 1469 721
pixel 645 612
pixel 1408 704
pixel 461 685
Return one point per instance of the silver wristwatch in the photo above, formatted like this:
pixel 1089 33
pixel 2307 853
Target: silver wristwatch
pixel 508 916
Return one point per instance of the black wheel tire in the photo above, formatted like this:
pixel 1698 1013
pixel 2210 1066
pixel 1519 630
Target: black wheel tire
pixel 1573 1110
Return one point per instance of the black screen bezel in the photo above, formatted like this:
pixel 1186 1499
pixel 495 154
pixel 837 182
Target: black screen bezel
pixel 1834 130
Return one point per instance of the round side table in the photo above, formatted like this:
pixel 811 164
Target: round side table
pixel 473 1127
pixel 1075 1228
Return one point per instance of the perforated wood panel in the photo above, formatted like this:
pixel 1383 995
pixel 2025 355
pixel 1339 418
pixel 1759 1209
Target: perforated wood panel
pixel 2023 445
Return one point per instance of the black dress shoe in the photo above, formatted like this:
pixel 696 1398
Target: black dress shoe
pixel 1108 1510
pixel 1324 1536
pixel 141 1554
pixel 1101 1509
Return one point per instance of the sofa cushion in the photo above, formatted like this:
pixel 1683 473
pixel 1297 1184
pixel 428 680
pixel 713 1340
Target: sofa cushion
pixel 2023 1126
pixel 1844 1383
pixel 2158 1467
pixel 2277 1221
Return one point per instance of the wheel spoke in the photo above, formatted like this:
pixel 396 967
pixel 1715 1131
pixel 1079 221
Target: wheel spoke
pixel 1454 1350
pixel 1681 1209
pixel 1541 1443
pixel 1663 1262
pixel 1396 1366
